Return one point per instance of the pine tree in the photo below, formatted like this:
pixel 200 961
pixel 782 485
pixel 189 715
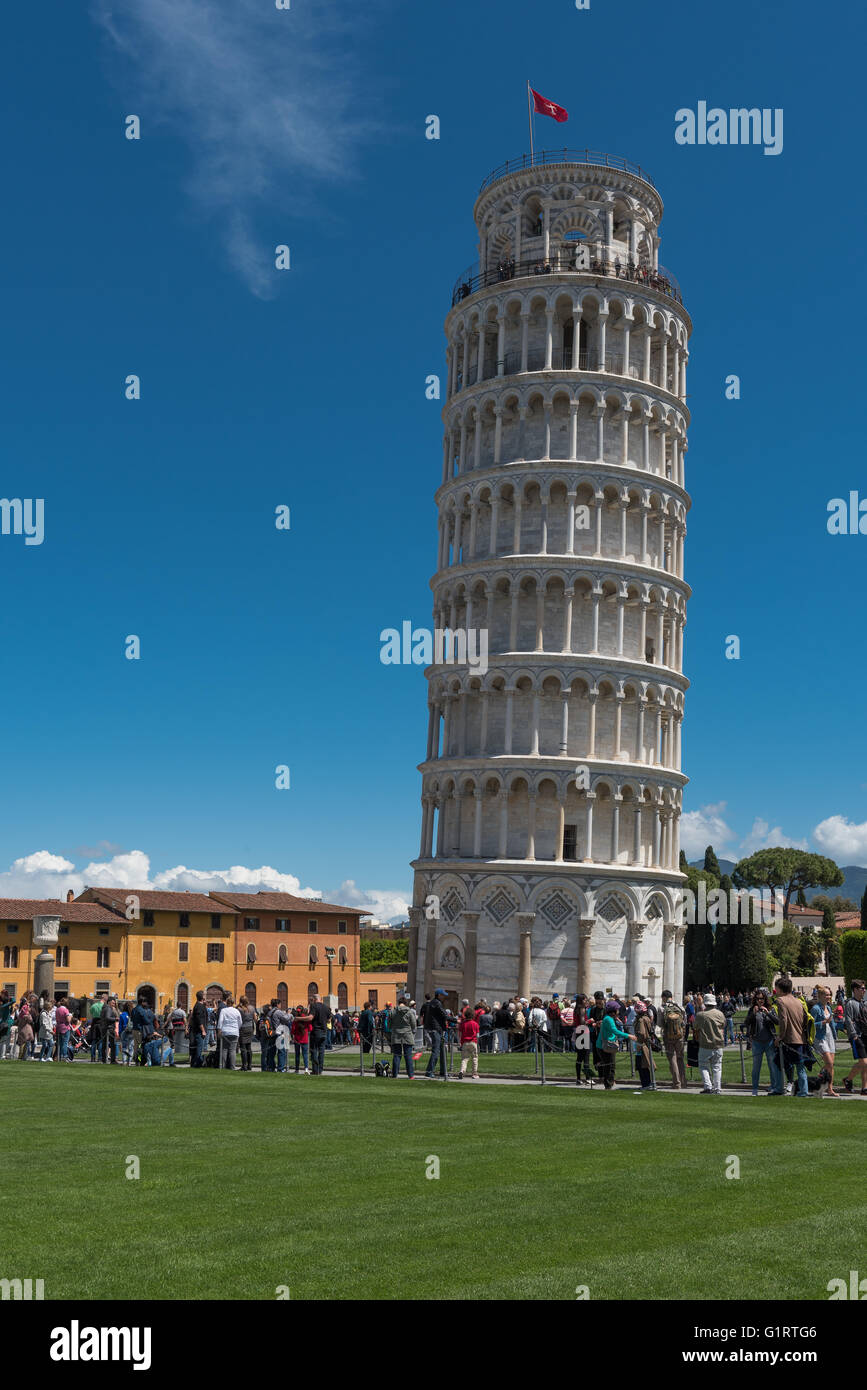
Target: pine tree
pixel 711 863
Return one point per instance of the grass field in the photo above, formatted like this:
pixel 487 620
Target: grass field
pixel 250 1182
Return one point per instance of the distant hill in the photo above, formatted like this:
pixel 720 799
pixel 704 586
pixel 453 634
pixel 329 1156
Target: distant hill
pixel 853 885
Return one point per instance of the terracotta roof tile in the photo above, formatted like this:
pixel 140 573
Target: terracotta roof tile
pixel 28 908
pixel 157 901
pixel 284 902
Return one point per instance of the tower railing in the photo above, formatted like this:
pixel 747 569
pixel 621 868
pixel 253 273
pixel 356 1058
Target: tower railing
pixel 598 158
pixel 653 277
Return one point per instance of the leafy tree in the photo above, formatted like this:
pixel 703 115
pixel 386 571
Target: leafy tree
pixel 828 935
pixel 788 869
pixel 374 955
pixel 748 960
pixel 853 949
pixel 698 956
pixel 722 944
pixel 864 911
pixel 838 903
pixel 787 947
pixel 810 952
pixel 711 863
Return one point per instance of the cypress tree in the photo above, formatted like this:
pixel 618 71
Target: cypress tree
pixel 864 911
pixel 711 863
pixel 748 961
pixel 722 956
pixel 684 863
pixel 698 956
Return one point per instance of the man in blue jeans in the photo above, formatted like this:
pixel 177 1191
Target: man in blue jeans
pixel 435 1024
pixel 792 1034
pixel 321 1015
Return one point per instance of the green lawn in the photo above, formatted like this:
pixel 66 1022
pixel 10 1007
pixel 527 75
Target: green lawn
pixel 249 1182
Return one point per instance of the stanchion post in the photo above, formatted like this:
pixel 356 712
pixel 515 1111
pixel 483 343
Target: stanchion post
pixel 542 1056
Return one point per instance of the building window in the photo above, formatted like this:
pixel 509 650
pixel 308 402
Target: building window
pixel 103 931
pixel 216 922
pixel 183 950
pixel 184 919
pixel 251 924
pixel 251 954
pixel 342 995
pixel 61 988
pixel 10 957
pixel 312 991
pixel 341 928
pixel 215 950
pixel 102 986
pixel 570 841
pixel 61 957
pixel 64 931
pixel 341 955
pixel 312 924
pixel 312 957
pixel 148 919
pixel 282 924
pixel 250 993
pixel 182 998
pixel 147 951
pixel 283 995
pixel 373 997
pixel 13 927
pixel 102 955
pixel 282 955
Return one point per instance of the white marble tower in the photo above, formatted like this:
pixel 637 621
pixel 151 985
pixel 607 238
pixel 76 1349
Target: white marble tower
pixel 551 789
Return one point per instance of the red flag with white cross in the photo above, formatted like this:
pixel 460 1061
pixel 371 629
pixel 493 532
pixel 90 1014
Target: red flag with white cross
pixel 543 107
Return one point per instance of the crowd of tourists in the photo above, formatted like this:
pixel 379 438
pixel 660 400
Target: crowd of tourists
pixel 784 1031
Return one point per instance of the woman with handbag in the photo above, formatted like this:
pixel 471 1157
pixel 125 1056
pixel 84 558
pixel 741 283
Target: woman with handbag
pixel 610 1035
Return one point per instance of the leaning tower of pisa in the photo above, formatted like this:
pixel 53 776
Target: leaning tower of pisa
pixel 551 788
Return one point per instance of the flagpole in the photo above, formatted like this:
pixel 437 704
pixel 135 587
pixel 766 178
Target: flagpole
pixel 530 119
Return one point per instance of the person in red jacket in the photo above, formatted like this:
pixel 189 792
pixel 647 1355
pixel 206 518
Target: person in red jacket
pixel 468 1033
pixel 302 1022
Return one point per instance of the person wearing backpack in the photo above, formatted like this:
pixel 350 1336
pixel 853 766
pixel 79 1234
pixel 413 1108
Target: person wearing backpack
pixel 108 1027
pixel 268 1038
pixel 673 1038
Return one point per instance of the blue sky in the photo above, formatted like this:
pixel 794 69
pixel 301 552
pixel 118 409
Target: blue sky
pixel 306 388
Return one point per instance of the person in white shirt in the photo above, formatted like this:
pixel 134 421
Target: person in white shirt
pixel 537 1022
pixel 228 1032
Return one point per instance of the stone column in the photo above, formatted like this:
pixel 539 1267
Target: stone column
pixel 504 824
pixel 525 340
pixel 416 918
pixel 525 952
pixel 471 921
pixel 680 937
pixel 590 798
pixel 477 825
pixel 585 955
pixel 568 598
pixel 668 958
pixel 429 949
pixel 530 852
pixel 636 937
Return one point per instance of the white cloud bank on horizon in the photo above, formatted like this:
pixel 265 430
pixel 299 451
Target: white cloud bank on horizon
pixel 704 827
pixel 267 101
pixel 842 840
pixel 46 875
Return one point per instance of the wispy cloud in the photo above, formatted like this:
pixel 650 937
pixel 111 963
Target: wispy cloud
pixel 269 102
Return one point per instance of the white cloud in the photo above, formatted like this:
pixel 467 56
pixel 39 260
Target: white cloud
pixel 267 101
pixel 47 875
pixel 385 904
pixel 840 839
pixel 704 827
pixel 763 837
